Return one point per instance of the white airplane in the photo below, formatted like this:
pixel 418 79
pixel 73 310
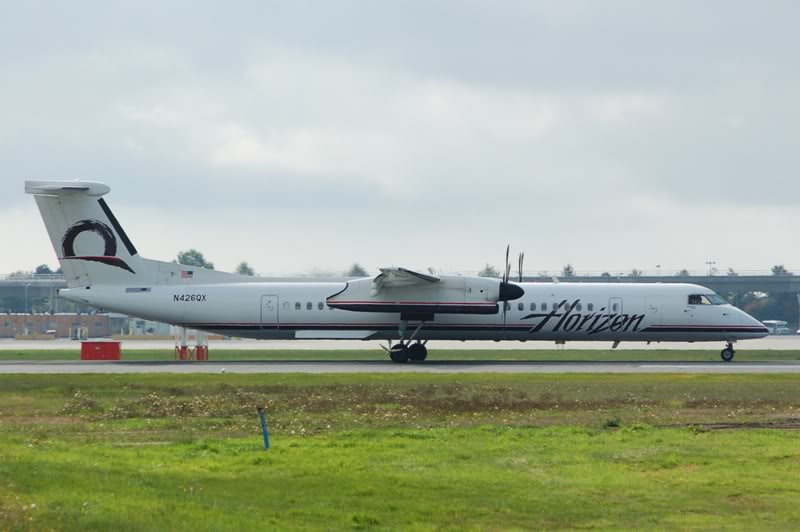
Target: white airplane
pixel 104 270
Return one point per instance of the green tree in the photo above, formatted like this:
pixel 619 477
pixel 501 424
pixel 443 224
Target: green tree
pixel 683 273
pixel 568 271
pixel 43 269
pixel 244 269
pixel 635 273
pixel 779 269
pixel 356 270
pixel 732 273
pixel 489 271
pixel 193 257
pixel 605 274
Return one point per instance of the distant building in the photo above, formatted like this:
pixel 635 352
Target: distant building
pixel 63 325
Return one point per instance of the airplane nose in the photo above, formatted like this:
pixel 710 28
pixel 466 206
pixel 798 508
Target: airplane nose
pixel 510 292
pixel 749 321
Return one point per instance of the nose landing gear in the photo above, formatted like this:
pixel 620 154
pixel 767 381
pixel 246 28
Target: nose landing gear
pixel 727 353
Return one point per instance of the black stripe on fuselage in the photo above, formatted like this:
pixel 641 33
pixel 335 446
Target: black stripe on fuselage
pixel 712 329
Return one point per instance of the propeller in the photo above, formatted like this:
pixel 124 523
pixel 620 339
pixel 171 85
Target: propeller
pixel 507 269
pixel 510 291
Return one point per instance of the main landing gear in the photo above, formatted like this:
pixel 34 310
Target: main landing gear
pixel 402 353
pixel 728 352
pixel 405 350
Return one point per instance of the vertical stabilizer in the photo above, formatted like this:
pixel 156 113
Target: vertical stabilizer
pixel 90 243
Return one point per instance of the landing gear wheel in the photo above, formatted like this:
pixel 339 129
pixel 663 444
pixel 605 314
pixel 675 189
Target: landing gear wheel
pixel 417 352
pixel 399 353
pixel 727 354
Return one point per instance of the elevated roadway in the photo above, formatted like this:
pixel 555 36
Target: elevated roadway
pixel 722 284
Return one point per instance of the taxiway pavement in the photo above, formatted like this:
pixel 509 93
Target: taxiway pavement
pixel 472 366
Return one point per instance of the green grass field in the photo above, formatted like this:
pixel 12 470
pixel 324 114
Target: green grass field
pixel 390 451
pixel 435 354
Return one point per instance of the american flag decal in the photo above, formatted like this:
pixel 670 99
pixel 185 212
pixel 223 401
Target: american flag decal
pixel 187 274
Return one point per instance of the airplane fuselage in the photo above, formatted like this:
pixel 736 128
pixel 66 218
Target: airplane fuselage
pixel 547 311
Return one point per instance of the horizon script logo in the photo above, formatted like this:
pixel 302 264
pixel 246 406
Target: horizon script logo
pixel 592 323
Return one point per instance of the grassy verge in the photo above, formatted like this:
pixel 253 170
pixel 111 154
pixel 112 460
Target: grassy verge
pixel 399 451
pixel 224 354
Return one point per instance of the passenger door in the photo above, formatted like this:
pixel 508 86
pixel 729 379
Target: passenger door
pixel 269 312
pixel 615 305
pixel 653 316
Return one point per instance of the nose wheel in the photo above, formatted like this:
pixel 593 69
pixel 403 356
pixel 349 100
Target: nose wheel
pixel 727 353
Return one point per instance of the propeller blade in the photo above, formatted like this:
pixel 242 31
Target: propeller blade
pixel 521 260
pixel 508 266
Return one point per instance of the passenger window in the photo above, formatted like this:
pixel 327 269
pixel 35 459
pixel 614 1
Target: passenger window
pixel 520 306
pixel 533 306
pixel 297 306
pixel 615 307
pixel 590 307
pixel 285 305
pixel 320 306
pixel 578 307
pixel 544 306
pixel 309 305
pixel 508 305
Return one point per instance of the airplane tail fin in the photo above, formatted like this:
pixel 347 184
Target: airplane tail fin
pixel 91 245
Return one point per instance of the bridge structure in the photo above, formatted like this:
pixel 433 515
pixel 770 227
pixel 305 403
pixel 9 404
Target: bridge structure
pixel 30 286
pixel 722 284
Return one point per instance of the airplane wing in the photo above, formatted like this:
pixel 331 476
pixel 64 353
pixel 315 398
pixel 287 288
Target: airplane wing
pixel 393 277
pixel 403 276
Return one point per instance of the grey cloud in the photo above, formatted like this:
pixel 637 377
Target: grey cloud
pixel 578 118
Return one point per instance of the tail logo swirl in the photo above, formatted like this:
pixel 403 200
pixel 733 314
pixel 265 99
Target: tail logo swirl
pixel 109 240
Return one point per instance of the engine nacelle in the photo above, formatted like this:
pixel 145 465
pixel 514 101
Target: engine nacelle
pixel 450 295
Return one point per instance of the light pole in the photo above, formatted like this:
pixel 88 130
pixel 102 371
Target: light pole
pixel 710 265
pixel 658 270
pixel 26 297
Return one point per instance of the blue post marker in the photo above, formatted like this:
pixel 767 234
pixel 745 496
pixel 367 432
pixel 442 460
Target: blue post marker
pixel 264 428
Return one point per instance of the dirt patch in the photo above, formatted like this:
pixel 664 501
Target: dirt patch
pixel 45 420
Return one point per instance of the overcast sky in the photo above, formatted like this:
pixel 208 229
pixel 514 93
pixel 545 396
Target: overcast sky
pixel 309 135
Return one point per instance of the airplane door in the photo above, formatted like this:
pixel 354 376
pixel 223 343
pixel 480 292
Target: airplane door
pixel 615 305
pixel 653 312
pixel 269 312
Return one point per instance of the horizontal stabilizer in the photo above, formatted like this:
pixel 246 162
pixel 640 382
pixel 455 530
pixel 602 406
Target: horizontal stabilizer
pixel 57 188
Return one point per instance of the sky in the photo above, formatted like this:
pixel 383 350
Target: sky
pixel 304 136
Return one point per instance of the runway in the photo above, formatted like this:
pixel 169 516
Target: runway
pixel 770 342
pixel 316 367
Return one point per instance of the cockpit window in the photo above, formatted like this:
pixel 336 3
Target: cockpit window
pixel 707 299
pixel 697 299
pixel 717 299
